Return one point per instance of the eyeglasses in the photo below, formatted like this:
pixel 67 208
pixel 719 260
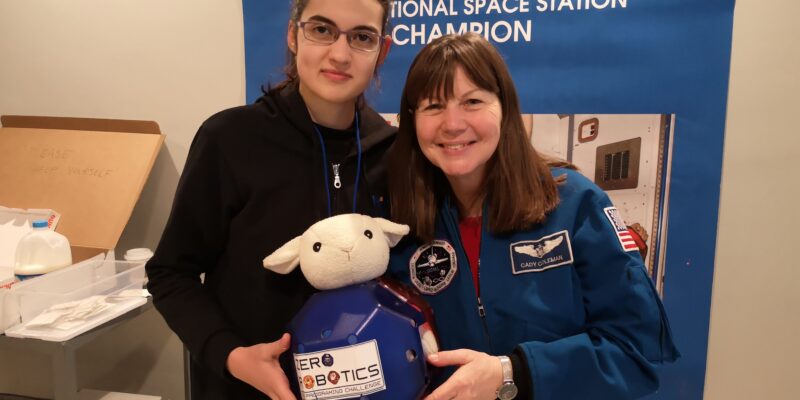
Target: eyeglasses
pixel 325 33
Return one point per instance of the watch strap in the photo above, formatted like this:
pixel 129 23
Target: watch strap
pixel 508 371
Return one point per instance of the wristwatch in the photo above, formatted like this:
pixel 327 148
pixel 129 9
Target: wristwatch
pixel 508 390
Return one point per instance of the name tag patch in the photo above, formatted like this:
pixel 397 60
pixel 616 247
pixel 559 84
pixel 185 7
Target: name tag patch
pixel 540 255
pixel 433 266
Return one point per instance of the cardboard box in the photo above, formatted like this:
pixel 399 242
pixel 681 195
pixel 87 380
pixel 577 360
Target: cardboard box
pixel 91 171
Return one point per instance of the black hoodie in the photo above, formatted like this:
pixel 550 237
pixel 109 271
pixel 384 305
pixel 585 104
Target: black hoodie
pixel 254 179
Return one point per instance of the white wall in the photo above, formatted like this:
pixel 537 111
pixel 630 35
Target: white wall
pixel 755 321
pixel 175 62
pixel 178 61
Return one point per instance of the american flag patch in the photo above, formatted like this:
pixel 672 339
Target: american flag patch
pixel 623 234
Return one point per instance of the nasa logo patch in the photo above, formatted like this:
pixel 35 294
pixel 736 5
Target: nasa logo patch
pixel 540 255
pixel 433 266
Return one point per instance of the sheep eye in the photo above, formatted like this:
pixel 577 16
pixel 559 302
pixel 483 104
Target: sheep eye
pixel 368 233
pixel 317 246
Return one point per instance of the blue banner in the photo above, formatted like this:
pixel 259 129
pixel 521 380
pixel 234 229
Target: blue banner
pixel 586 70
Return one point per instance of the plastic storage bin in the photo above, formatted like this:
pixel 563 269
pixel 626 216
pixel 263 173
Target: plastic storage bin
pixel 92 277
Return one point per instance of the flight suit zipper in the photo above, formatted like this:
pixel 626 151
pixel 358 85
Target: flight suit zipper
pixel 451 223
pixel 481 308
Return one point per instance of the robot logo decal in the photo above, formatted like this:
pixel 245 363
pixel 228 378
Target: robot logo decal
pixel 358 372
pixel 333 377
pixel 433 266
pixel 327 360
pixel 308 381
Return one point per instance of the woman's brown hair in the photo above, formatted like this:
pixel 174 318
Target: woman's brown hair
pixel 519 188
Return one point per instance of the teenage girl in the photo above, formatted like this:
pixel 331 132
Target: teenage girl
pixel 256 177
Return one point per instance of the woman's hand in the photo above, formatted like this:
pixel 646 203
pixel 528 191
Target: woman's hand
pixel 259 367
pixel 477 377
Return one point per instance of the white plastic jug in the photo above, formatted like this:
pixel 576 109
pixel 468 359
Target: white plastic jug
pixel 41 251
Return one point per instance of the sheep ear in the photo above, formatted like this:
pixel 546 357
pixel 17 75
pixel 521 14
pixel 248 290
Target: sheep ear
pixel 393 232
pixel 285 259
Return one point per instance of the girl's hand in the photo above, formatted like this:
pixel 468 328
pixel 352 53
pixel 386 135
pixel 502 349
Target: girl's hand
pixel 259 367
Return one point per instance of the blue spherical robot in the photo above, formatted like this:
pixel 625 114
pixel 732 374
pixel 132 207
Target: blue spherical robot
pixel 359 341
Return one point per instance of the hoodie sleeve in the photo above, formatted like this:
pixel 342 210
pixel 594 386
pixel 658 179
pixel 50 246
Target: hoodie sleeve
pixel 192 243
pixel 626 332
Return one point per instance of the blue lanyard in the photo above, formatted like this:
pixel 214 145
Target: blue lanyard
pixel 325 166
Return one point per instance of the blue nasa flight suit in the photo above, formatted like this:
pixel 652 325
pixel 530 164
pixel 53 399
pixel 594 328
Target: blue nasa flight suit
pixel 565 296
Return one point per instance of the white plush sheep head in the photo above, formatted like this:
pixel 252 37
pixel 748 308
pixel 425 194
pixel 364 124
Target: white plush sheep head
pixel 339 251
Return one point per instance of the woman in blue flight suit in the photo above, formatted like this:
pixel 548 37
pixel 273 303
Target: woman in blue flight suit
pixel 537 287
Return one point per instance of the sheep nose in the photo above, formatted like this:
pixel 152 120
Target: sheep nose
pixel 347 251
